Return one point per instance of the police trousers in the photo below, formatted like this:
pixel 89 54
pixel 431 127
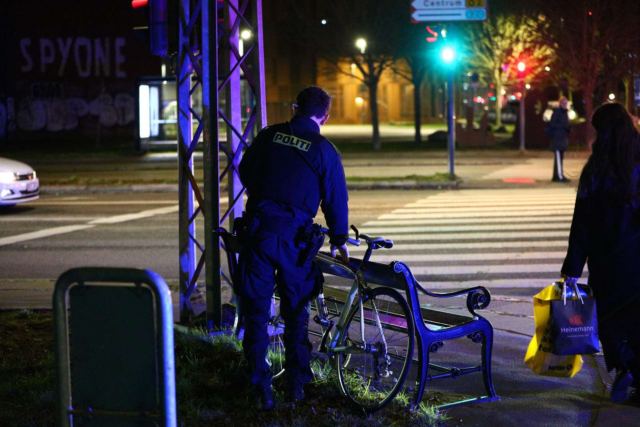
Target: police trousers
pixel 268 260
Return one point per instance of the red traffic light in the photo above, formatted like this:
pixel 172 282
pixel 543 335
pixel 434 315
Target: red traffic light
pixel 137 4
pixel 434 35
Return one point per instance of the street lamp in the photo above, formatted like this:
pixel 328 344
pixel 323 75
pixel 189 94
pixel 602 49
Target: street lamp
pixel 244 35
pixel 361 44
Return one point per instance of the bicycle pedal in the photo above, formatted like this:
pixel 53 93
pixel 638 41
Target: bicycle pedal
pixel 326 323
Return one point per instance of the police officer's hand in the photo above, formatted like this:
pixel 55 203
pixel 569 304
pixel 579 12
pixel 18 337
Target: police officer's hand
pixel 344 252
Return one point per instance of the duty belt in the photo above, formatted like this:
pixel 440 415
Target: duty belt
pixel 286 227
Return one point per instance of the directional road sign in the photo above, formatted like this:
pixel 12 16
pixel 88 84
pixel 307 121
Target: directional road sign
pixel 448 10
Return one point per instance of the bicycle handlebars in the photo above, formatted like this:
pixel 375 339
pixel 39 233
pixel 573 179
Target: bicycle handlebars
pixel 373 242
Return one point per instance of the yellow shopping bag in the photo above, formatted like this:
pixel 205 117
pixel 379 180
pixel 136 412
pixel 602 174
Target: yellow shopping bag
pixel 540 357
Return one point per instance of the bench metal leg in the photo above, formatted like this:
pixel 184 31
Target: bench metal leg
pixel 487 347
pixel 423 369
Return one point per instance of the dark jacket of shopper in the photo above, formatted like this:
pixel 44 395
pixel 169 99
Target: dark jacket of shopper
pixel 605 233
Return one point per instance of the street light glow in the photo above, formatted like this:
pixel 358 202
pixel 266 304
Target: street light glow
pixel 612 96
pixel 323 22
pixel 448 55
pixel 361 44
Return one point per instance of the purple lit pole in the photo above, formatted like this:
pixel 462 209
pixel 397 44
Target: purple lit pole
pixel 186 227
pixel 203 44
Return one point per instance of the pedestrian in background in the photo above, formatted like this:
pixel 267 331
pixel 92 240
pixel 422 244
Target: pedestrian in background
pixel 605 233
pixel 558 129
pixel 289 171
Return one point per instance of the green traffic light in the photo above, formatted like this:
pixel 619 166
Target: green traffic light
pixel 448 54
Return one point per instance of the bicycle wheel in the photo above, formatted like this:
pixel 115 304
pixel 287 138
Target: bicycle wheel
pixel 370 379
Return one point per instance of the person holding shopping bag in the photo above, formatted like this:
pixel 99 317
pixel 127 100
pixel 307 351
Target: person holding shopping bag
pixel 605 233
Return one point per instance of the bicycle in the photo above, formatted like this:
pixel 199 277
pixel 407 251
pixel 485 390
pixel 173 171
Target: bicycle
pixel 373 341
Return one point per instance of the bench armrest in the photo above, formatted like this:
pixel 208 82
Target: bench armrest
pixel 478 298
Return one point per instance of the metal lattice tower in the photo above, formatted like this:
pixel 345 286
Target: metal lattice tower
pixel 210 62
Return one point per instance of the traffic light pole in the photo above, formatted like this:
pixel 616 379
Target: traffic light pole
pixel 451 124
pixel 522 98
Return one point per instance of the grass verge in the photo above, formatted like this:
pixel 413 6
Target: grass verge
pixel 211 382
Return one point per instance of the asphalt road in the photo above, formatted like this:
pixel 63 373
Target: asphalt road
pixel 41 240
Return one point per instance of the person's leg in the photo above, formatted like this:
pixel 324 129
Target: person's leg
pixel 257 281
pixel 558 167
pixel 555 166
pixel 256 340
pixel 296 287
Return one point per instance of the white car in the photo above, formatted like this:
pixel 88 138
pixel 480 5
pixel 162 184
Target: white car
pixel 18 183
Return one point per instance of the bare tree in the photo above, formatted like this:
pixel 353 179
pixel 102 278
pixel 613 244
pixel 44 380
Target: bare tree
pixel 412 64
pixel 499 43
pixel 593 40
pixel 334 41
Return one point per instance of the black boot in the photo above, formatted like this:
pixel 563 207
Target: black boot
pixel 267 398
pixel 620 387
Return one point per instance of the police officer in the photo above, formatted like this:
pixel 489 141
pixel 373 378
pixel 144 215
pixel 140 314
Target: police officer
pixel 289 171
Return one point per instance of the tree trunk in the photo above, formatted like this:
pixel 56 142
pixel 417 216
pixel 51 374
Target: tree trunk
pixel 588 111
pixel 498 106
pixel 417 110
pixel 373 109
pixel 629 92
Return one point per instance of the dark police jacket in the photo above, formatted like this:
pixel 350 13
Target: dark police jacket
pixel 290 169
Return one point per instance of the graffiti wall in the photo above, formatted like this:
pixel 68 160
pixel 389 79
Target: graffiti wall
pixel 71 72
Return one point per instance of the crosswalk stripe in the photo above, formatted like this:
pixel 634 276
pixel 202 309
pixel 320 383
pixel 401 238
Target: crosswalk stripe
pixel 501 209
pixel 400 247
pixel 475 215
pixel 486 269
pixel 499 256
pixel 451 221
pixel 480 227
pixel 534 203
pixel 489 284
pixel 477 236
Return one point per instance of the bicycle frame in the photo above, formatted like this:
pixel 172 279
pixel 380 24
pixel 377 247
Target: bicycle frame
pixel 357 291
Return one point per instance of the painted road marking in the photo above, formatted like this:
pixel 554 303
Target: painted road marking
pixel 48 232
pixel 556 244
pixel 134 216
pixel 482 227
pixel 498 256
pixel 443 215
pixel 450 221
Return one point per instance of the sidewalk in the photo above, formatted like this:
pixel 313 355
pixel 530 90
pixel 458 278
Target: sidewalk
pixel 368 170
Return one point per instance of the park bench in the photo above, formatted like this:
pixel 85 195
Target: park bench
pixel 433 327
